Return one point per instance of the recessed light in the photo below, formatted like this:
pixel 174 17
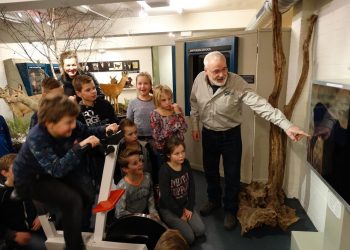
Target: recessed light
pixel 186 33
pixel 180 10
pixel 143 13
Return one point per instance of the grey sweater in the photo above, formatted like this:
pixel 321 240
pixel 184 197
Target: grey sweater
pixel 139 111
pixel 136 199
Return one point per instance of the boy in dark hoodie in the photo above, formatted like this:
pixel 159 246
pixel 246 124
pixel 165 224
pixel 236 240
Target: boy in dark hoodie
pixel 48 167
pixel 20 227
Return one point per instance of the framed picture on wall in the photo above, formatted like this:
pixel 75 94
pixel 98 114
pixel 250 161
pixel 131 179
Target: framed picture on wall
pixel 103 66
pixel 36 76
pixel 135 65
pixel 132 66
pixel 118 66
pixel 32 75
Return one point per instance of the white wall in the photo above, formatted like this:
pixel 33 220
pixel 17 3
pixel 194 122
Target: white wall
pixel 331 50
pixel 144 55
pixel 332 43
pixel 141 54
pixel 219 20
pixel 165 66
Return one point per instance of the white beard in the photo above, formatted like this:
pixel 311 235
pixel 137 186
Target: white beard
pixel 219 84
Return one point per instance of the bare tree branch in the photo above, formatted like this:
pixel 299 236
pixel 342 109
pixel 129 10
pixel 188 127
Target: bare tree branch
pixel 40 31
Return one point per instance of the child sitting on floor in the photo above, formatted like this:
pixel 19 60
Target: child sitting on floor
pixel 177 192
pixel 138 196
pixel 130 141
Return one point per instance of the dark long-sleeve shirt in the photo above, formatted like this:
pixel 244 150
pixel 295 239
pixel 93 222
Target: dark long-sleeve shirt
pixel 177 188
pixel 5 138
pixel 15 215
pixel 43 154
pixel 101 113
pixel 68 85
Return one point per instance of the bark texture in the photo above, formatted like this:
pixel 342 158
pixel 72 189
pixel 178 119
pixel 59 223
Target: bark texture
pixel 263 203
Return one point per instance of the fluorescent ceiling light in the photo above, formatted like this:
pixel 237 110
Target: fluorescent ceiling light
pixel 85 7
pixel 142 13
pixel 11 18
pixel 188 4
pixel 186 33
pixel 334 85
pixel 144 5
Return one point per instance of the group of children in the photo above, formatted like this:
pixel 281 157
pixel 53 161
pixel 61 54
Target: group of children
pixel 51 165
pixel 161 124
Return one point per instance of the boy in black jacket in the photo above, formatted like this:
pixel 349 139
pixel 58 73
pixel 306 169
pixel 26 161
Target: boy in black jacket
pixel 93 111
pixel 20 227
pixel 48 167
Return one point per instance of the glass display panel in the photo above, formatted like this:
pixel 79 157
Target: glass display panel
pixel 36 75
pixel 329 146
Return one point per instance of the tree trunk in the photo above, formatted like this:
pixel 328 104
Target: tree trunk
pixel 263 204
pixel 276 146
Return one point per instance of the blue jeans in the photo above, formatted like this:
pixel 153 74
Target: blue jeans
pixel 227 144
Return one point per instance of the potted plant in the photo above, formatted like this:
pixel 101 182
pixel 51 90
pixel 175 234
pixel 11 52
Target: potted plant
pixel 19 128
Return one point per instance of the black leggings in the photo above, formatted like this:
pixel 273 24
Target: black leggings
pixel 71 195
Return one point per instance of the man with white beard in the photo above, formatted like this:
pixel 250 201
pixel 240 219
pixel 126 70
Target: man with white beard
pixel 216 100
